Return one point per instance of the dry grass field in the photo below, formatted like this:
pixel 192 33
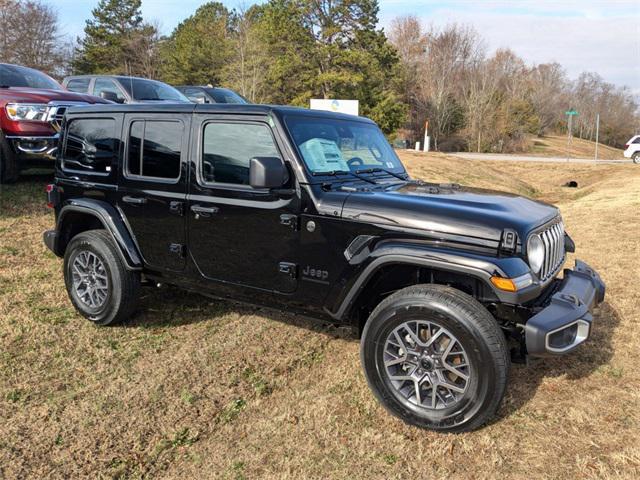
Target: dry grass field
pixel 557 146
pixel 196 388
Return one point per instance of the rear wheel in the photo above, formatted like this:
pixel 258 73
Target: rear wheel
pixel 636 157
pixel 98 283
pixel 9 170
pixel 436 358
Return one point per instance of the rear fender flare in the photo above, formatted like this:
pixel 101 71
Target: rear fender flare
pixel 112 223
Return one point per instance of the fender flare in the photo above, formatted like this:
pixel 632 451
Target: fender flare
pixel 112 222
pixel 471 264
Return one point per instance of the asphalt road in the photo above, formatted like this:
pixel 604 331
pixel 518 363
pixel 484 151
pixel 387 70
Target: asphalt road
pixel 529 158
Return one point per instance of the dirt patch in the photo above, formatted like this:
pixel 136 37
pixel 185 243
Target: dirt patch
pixel 194 388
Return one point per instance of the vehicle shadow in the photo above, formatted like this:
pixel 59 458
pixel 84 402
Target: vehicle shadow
pixel 173 307
pixel 167 307
pixel 524 380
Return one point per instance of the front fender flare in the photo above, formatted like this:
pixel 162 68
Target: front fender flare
pixel 467 263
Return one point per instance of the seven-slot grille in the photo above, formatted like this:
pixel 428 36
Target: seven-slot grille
pixel 553 241
pixel 56 116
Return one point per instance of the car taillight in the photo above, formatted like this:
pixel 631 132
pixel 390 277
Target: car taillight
pixel 626 145
pixel 52 195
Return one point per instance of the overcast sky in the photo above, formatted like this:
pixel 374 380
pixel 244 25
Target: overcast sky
pixel 582 35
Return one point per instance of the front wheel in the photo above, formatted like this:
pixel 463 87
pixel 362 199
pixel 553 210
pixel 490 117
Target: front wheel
pixel 436 358
pixel 9 169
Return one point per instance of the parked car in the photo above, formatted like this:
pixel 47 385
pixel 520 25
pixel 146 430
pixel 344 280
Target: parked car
pixel 32 106
pixel 632 149
pixel 313 212
pixel 121 89
pixel 210 94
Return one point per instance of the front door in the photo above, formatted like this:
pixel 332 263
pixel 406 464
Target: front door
pixel 240 235
pixel 152 189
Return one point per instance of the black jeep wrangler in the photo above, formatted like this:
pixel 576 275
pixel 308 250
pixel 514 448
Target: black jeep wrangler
pixel 313 212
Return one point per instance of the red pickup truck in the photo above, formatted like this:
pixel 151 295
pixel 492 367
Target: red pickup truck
pixel 32 106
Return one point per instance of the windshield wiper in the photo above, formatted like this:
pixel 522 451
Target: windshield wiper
pixel 378 169
pixel 335 173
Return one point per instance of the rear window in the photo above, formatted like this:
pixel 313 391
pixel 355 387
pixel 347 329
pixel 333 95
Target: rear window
pixel 90 145
pixel 154 149
pixel 79 85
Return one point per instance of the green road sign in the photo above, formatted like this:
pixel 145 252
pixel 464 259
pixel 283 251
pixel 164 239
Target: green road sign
pixel 571 112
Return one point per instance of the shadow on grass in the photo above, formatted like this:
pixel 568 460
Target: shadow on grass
pixel 173 307
pixel 524 380
pixel 170 307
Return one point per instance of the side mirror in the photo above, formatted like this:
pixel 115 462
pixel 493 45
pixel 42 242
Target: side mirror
pixel 267 172
pixel 200 100
pixel 111 96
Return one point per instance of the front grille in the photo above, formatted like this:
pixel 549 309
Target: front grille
pixel 57 111
pixel 57 115
pixel 554 254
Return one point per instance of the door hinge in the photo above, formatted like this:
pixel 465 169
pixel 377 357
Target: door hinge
pixel 178 249
pixel 289 220
pixel 287 268
pixel 176 208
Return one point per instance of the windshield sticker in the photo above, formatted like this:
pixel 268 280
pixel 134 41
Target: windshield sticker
pixel 323 155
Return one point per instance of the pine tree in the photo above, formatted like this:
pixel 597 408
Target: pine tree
pixel 108 36
pixel 332 49
pixel 199 48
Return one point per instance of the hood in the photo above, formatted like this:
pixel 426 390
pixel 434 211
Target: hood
pixel 449 209
pixel 41 95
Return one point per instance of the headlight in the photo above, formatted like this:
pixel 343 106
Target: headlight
pixel 27 112
pixel 535 252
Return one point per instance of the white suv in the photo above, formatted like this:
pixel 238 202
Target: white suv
pixel 632 149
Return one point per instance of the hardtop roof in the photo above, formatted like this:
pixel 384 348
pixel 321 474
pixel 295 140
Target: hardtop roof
pixel 229 108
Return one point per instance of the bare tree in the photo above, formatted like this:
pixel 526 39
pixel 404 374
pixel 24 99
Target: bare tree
pixel 141 52
pixel 30 35
pixel 247 70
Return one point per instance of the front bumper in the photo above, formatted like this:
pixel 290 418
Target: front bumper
pixel 35 147
pixel 566 321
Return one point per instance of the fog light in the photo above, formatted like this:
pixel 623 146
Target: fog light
pixel 563 338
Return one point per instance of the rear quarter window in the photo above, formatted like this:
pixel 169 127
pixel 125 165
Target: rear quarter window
pixel 90 146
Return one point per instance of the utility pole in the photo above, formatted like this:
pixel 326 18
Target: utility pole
pixel 597 133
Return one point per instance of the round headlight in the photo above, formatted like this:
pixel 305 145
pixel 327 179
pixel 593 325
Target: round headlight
pixel 535 252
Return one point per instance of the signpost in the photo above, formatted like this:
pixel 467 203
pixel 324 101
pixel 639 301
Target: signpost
pixel 570 114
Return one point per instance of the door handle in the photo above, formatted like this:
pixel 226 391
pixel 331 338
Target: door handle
pixel 134 200
pixel 204 211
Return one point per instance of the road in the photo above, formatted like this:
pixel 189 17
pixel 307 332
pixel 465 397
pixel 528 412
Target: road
pixel 529 158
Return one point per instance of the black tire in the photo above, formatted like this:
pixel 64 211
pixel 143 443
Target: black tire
pixel 9 168
pixel 473 327
pixel 636 157
pixel 123 286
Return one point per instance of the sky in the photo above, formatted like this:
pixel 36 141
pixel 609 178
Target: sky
pixel 582 35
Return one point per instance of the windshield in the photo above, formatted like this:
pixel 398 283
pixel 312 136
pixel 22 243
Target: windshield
pixel 141 89
pixel 15 76
pixel 223 95
pixel 332 145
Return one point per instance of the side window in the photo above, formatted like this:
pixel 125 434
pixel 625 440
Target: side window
pixel 228 148
pixel 90 145
pixel 637 140
pixel 80 85
pixel 154 149
pixel 107 85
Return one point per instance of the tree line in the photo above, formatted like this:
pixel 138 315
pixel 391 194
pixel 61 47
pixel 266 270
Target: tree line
pixel 288 51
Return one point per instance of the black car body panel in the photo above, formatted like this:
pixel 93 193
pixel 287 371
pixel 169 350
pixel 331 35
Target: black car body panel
pixel 325 244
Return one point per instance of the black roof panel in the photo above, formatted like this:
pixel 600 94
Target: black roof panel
pixel 232 108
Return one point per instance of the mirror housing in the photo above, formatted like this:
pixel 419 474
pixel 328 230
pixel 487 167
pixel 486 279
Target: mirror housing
pixel 111 96
pixel 267 172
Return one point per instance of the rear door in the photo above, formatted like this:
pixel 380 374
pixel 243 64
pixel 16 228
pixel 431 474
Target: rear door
pixel 153 183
